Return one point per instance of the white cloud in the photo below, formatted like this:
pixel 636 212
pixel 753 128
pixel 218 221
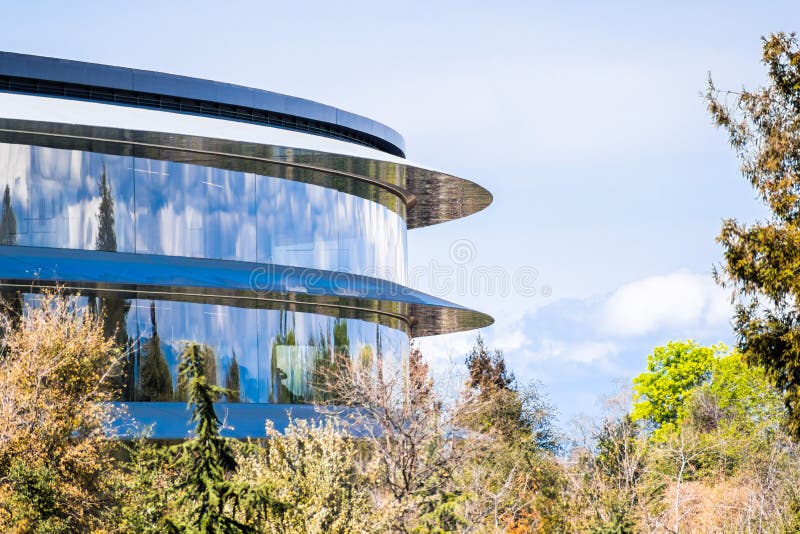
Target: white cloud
pixel 583 352
pixel 679 299
pixel 591 351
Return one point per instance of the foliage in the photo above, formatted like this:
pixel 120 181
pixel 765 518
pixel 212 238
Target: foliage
pixel 55 458
pixel 399 458
pixel 487 369
pixel 672 371
pixel 761 260
pixel 316 467
pixel 513 483
pixel 207 499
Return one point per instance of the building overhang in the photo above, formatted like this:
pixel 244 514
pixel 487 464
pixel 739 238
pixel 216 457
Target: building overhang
pixel 234 283
pixel 429 196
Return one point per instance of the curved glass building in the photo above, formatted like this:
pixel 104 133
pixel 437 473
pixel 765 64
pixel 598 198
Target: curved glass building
pixel 270 230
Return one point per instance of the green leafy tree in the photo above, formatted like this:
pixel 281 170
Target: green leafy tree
pixel 56 465
pixel 737 396
pixel 673 370
pixel 318 468
pixel 761 260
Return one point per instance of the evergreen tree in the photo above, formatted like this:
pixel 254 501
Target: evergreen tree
pixel 156 382
pixel 761 260
pixel 232 381
pixel 106 236
pixel 487 369
pixel 8 222
pixel 210 502
pixel 113 309
pixel 209 356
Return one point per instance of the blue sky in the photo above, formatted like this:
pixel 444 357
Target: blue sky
pixel 584 120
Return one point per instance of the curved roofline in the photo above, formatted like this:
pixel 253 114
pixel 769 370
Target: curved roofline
pixel 79 80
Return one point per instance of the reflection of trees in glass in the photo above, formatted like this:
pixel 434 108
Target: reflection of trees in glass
pixel 156 382
pixel 365 357
pixel 379 350
pixel 209 356
pixel 286 336
pixel 129 371
pixel 114 310
pixel 106 236
pixel 329 364
pixel 232 381
pixel 323 364
pixel 8 222
pixel 341 342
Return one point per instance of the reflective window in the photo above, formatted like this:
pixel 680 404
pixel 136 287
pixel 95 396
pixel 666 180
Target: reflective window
pixel 84 200
pixel 263 356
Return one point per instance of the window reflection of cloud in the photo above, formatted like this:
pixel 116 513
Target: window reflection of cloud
pixel 179 209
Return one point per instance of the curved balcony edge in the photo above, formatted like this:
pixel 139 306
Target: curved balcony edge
pixel 431 197
pixel 233 283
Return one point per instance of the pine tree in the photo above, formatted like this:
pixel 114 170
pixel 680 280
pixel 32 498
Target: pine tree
pixel 113 309
pixel 8 222
pixel 210 502
pixel 106 236
pixel 761 260
pixel 156 382
pixel 487 369
pixel 232 381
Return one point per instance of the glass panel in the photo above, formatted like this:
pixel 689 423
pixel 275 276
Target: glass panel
pixel 83 200
pixel 266 356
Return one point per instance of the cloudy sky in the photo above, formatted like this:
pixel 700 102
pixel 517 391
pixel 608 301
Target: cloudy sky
pixel 584 120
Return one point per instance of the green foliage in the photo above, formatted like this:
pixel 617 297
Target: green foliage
pixel 761 261
pixel 513 448
pixel 673 370
pixel 619 523
pixel 35 503
pixel 441 515
pixel 737 397
pixel 519 414
pixel 487 369
pixel 56 469
pixel 209 502
pixel 316 467
pixel 146 484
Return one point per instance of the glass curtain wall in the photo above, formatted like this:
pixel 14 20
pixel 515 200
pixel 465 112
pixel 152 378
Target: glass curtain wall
pixel 84 200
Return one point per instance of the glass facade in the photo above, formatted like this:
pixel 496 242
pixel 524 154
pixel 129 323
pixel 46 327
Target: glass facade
pixel 234 246
pixel 261 355
pixel 84 200
pixel 74 199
